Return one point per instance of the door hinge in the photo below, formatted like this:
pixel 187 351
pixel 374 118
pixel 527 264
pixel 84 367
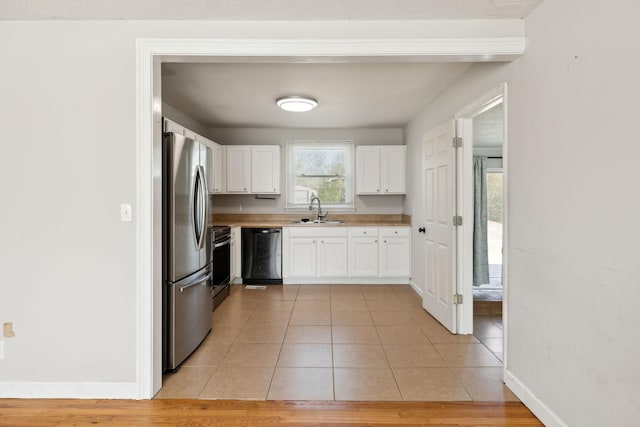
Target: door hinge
pixel 457 299
pixel 457 141
pixel 457 220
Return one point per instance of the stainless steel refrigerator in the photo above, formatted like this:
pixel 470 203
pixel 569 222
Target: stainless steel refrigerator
pixel 187 302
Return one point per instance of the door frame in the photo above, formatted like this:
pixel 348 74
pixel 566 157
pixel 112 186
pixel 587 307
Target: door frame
pixel 150 53
pixel 464 125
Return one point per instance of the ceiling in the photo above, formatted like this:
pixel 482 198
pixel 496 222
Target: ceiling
pixel 316 10
pixel 350 95
pixel 243 94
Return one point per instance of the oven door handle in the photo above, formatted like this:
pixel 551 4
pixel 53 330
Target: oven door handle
pixel 221 244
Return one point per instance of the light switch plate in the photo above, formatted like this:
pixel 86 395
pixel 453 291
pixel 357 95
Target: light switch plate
pixel 126 214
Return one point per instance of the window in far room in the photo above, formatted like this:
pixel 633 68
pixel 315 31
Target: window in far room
pixel 321 168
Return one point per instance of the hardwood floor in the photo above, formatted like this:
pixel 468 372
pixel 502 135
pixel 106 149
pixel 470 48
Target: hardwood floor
pixel 169 412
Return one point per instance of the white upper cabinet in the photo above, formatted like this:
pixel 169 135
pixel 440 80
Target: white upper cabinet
pixel 253 169
pixel 238 168
pixel 265 169
pixel 219 167
pixel 368 170
pixel 381 169
pixel 393 163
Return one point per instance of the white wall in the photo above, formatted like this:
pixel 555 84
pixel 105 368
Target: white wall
pixel 68 115
pixel 278 136
pixel 574 263
pixel 67 265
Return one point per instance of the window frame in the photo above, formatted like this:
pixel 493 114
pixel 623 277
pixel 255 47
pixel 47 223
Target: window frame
pixel 290 177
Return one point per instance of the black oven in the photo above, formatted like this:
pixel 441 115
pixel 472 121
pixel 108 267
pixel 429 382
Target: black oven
pixel 220 256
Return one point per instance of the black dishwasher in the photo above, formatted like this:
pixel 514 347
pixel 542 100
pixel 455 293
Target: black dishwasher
pixel 262 256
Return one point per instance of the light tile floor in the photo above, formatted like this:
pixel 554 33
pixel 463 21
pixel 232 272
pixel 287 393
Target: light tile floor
pixel 338 342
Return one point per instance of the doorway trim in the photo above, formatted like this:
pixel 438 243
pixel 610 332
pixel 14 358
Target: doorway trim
pixel 150 53
pixel 464 124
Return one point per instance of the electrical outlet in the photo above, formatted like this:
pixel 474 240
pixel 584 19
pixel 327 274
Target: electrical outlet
pixel 1 350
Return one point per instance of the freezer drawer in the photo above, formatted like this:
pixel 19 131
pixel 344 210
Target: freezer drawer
pixel 189 318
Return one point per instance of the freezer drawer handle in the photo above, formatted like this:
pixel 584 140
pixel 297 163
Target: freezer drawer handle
pixel 182 288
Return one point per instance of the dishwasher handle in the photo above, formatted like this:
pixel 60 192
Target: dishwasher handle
pixel 270 230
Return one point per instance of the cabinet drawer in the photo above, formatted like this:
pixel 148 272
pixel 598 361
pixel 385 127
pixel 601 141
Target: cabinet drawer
pixel 363 231
pixel 395 231
pixel 321 231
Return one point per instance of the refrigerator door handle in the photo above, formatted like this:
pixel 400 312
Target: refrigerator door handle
pixel 204 206
pixel 199 209
pixel 195 209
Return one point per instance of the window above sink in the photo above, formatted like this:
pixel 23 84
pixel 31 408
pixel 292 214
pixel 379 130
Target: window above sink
pixel 321 168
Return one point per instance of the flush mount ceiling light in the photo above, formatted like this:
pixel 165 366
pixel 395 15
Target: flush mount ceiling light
pixel 297 104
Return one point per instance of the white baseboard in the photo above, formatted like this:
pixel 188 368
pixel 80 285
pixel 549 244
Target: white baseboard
pixel 531 401
pixel 69 390
pixel 344 281
pixel 416 288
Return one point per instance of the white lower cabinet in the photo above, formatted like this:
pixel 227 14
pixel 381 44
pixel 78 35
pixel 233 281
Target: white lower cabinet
pixel 363 252
pixel 395 252
pixel 332 257
pixel 314 252
pixel 302 256
pixel 346 254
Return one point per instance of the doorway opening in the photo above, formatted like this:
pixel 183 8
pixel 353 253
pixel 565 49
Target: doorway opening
pixel 488 207
pixel 482 189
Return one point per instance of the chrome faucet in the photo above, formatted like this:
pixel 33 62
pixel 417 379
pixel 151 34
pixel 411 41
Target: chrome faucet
pixel 321 216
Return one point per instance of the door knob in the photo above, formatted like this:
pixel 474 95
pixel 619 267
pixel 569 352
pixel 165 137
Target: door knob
pixel 422 230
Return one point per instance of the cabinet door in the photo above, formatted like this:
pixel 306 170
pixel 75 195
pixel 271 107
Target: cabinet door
pixel 368 170
pixel 302 257
pixel 238 168
pixel 332 257
pixel 395 256
pixel 393 163
pixel 218 169
pixel 265 169
pixel 363 257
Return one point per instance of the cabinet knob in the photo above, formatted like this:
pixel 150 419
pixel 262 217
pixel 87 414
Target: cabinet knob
pixel 422 230
pixel 385 241
pixel 386 190
pixel 378 190
pixel 364 232
pixel 375 241
pixel 245 189
pixel 396 232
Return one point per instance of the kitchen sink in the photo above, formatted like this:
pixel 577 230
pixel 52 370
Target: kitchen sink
pixel 318 222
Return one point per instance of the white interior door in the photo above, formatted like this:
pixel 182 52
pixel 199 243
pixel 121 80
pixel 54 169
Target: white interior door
pixel 439 187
